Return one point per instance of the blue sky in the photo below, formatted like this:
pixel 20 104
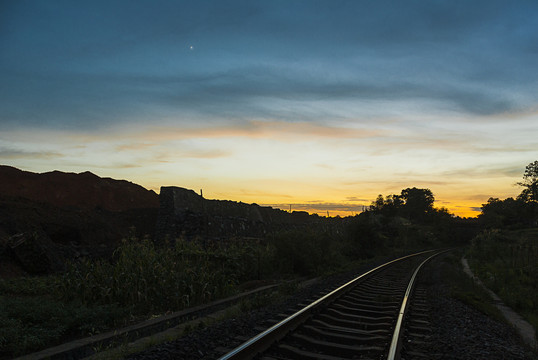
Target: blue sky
pixel 319 104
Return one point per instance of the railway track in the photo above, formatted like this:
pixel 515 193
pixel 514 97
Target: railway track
pixel 363 319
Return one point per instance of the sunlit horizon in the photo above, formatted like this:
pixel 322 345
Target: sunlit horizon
pixel 321 105
pixel 327 206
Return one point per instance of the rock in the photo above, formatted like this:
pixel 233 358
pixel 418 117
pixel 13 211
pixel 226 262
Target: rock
pixel 184 213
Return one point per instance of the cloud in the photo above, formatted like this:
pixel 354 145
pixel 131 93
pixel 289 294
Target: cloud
pixel 321 206
pixel 99 67
pixel 287 93
pixel 356 199
pixel 202 154
pixel 11 154
pixel 152 135
pixel 263 194
pixel 483 171
pixel 479 197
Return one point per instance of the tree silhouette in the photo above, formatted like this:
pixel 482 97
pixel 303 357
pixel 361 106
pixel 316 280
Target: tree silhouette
pixel 418 203
pixel 530 183
pixel 412 203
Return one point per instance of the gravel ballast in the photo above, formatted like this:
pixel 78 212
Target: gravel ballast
pixel 458 330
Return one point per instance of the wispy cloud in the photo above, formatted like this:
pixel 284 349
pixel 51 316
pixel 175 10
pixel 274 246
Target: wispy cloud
pixel 321 207
pixel 13 154
pixel 356 199
pixel 320 100
pixel 315 70
pixel 149 136
pixel 485 171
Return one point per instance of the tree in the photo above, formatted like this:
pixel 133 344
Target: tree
pixel 389 206
pixel 530 183
pixel 378 204
pixel 418 203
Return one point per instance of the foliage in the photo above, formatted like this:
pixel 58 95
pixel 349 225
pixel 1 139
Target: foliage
pixel 147 279
pixel 407 221
pixel 418 203
pixel 367 235
pixel 463 288
pixel 412 203
pixel 305 252
pixel 27 286
pixel 141 279
pixel 371 234
pixel 514 213
pixel 508 213
pixel 530 183
pixel 506 261
pixel 49 322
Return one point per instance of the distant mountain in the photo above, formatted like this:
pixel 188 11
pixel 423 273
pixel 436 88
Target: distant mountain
pixel 84 190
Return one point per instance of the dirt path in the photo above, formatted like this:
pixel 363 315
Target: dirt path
pixel 524 328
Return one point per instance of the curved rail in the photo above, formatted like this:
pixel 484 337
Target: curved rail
pixel 396 338
pixel 263 340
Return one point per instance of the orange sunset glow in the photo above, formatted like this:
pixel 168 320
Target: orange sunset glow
pixel 310 116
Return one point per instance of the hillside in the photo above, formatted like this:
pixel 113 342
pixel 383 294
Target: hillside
pixel 84 190
pixel 57 216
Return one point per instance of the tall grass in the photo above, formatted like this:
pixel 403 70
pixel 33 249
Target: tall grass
pixel 507 262
pixel 142 280
pixel 147 279
pixel 32 323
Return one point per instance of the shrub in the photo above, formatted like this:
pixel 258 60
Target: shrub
pixel 306 252
pixel 147 279
pixel 507 263
pixel 31 323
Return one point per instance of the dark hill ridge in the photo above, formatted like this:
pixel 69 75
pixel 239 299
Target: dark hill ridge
pixel 84 190
pixel 57 216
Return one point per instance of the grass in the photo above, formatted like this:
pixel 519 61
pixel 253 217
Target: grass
pixel 463 288
pixel 30 323
pixel 93 296
pixel 507 263
pixel 30 318
pixel 187 328
pixel 27 286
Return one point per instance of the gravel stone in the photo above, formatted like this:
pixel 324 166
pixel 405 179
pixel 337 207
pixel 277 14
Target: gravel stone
pixel 458 330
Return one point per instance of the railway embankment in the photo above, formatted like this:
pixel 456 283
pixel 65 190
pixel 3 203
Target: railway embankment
pixel 460 323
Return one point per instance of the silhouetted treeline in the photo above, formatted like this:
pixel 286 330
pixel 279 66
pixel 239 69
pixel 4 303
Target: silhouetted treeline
pixel 407 221
pixel 505 253
pixel 510 213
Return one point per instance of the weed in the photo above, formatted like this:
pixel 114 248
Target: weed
pixel 465 289
pixel 507 262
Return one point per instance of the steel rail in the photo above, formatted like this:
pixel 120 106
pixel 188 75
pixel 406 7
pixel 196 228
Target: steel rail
pixel 264 339
pixel 396 336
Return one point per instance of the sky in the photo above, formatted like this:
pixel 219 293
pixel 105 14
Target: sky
pixel 321 105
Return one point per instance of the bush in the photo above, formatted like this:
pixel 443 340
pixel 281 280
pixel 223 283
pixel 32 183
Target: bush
pixel 27 286
pixel 506 261
pixel 306 252
pixel 31 323
pixel 147 279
